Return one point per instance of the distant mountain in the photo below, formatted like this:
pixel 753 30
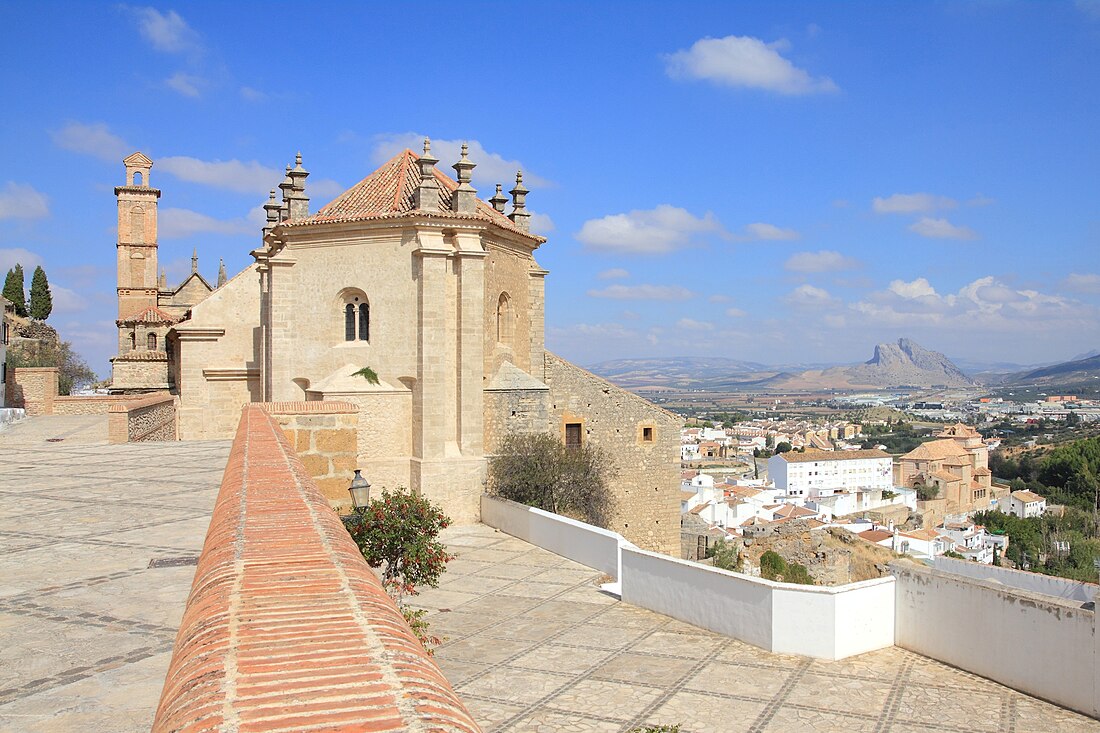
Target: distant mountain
pixel 1080 371
pixel 904 364
pixel 1086 355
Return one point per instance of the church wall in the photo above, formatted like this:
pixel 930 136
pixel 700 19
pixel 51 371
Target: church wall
pixel 191 293
pixel 514 411
pixel 218 364
pixel 647 485
pixel 143 371
pixel 308 306
pixel 508 271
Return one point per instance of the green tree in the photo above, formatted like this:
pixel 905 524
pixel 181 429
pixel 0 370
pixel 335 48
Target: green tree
pixel 724 555
pixel 926 492
pixel 772 565
pixel 782 447
pixel 539 470
pixel 399 533
pixel 73 371
pixel 14 290
pixel 41 298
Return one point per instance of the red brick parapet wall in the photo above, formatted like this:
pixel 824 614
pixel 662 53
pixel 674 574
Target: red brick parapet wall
pixel 286 628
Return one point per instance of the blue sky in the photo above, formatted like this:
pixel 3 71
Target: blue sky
pixel 775 182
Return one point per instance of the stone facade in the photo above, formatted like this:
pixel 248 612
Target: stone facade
pixel 439 293
pixel 323 434
pixel 34 389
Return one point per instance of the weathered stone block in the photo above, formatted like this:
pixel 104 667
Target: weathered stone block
pixel 335 441
pixel 318 466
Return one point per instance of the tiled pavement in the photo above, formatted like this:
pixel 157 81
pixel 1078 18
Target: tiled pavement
pixel 86 625
pixel 532 644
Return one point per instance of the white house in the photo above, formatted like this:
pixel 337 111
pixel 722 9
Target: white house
pixel 1024 504
pixel 824 473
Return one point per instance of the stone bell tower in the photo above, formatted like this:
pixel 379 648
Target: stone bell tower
pixel 137 238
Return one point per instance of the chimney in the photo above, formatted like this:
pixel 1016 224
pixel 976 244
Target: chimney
pixel 520 216
pixel 499 200
pixel 464 200
pixel 426 196
pixel 299 202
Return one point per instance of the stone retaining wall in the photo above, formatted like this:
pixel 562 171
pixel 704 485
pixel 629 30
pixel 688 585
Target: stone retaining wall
pixel 32 388
pixel 286 627
pixel 142 419
pixel 324 436
pixel 89 404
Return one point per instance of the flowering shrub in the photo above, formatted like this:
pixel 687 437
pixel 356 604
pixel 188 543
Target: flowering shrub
pixel 399 533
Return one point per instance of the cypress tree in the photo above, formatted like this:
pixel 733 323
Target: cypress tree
pixel 13 290
pixel 41 299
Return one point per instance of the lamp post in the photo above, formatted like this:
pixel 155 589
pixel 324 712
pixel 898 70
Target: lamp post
pixel 359 490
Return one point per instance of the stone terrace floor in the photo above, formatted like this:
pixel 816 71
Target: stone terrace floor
pixel 532 644
pixel 86 626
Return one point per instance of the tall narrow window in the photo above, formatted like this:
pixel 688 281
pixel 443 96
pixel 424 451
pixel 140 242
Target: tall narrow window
pixel 151 342
pixel 364 322
pixel 573 435
pixel 504 320
pixel 349 322
pixel 133 341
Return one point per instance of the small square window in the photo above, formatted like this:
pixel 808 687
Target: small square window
pixel 647 435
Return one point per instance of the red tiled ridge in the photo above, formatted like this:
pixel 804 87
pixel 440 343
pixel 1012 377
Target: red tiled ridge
pixel 286 628
pixel 150 314
pixel 134 403
pixel 305 408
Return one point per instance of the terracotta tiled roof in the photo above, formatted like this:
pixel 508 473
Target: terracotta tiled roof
pixel 794 512
pixel 149 315
pixel 921 534
pixel 946 476
pixel 960 430
pixel 1026 496
pixel 982 471
pixel 935 450
pixel 388 193
pixel 875 535
pixel 832 455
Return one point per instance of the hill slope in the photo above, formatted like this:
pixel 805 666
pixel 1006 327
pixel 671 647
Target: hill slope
pixel 1066 373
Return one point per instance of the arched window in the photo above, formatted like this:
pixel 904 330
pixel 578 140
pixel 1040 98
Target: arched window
pixel 151 342
pixel 133 341
pixel 137 178
pixel 349 322
pixel 364 322
pixel 504 319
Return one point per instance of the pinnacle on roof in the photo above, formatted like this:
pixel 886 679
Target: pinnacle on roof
pixel 194 260
pixel 499 200
pixel 520 216
pixel 464 198
pixel 297 201
pixel 221 272
pixel 271 209
pixel 426 196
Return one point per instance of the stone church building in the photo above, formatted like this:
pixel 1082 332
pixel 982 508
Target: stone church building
pixel 409 273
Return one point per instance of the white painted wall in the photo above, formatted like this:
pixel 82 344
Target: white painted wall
pixel 1047 585
pixel 1037 644
pixel 814 621
pixel 590 546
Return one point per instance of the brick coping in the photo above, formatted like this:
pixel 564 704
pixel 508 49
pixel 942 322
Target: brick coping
pixel 286 627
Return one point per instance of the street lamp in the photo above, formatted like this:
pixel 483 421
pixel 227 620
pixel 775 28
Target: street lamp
pixel 359 490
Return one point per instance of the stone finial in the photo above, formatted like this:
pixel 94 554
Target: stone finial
pixel 287 190
pixel 520 216
pixel 426 195
pixel 464 199
pixel 272 211
pixel 499 200
pixel 221 273
pixel 194 261
pixel 299 202
pixel 163 283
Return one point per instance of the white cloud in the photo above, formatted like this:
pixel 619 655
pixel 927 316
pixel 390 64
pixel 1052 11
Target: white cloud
pixel 252 95
pixel 1090 8
pixel 181 223
pixel 492 168
pixel 643 292
pixel 167 32
pixel 541 223
pixel 13 256
pixel 912 203
pixel 690 324
pixel 744 61
pixel 719 298
pixel 821 261
pixel 980 200
pixel 615 273
pixel 769 232
pixel 234 175
pixel 654 231
pixel 186 84
pixel 809 296
pixel 1082 282
pixel 67 301
pixel 94 139
pixel 735 313
pixel 941 229
pixel 22 201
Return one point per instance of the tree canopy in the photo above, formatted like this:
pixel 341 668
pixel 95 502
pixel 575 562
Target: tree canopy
pixel 41 298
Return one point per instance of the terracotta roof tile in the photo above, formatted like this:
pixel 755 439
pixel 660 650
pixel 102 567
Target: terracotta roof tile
pixel 151 314
pixel 875 535
pixel 387 193
pixel 832 455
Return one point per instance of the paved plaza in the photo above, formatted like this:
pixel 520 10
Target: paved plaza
pixel 534 645
pixel 97 544
pixel 87 625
